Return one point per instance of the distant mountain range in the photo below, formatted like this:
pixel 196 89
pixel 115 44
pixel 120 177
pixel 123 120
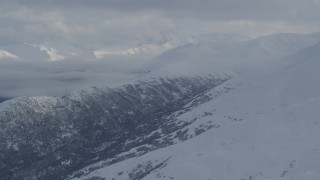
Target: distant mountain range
pixel 207 47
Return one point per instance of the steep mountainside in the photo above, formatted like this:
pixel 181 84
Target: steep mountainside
pixel 50 137
pixel 268 128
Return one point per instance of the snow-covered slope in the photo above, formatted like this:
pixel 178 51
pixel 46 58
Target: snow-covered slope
pixel 45 51
pixel 6 54
pixel 142 51
pixel 230 53
pixel 267 128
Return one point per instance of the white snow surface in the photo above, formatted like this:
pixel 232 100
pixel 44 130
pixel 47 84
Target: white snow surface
pixel 6 54
pixel 141 51
pixel 52 53
pixel 229 54
pixel 269 130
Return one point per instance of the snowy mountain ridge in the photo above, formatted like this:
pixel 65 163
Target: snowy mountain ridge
pixel 283 44
pixel 231 55
pixel 6 54
pixel 49 137
pixel 267 128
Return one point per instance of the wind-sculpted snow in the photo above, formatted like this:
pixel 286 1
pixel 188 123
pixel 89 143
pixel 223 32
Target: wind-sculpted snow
pixel 50 137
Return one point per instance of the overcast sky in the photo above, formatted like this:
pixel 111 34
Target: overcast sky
pixel 125 22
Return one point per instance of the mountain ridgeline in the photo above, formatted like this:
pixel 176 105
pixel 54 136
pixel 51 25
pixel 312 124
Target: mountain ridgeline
pixel 51 137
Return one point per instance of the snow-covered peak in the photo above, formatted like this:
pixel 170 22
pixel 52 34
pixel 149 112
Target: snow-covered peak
pixel 52 53
pixel 284 44
pixel 46 51
pixel 230 54
pixel 142 51
pixel 6 54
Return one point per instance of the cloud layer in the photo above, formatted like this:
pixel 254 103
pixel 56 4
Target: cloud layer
pixel 127 22
pixel 59 78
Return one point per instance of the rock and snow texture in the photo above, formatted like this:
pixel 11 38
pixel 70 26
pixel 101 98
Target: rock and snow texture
pixel 268 128
pixel 51 137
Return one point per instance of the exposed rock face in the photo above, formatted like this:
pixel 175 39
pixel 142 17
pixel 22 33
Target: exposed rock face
pixel 51 137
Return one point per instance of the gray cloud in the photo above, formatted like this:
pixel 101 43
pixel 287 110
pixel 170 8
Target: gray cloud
pixel 211 9
pixel 131 19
